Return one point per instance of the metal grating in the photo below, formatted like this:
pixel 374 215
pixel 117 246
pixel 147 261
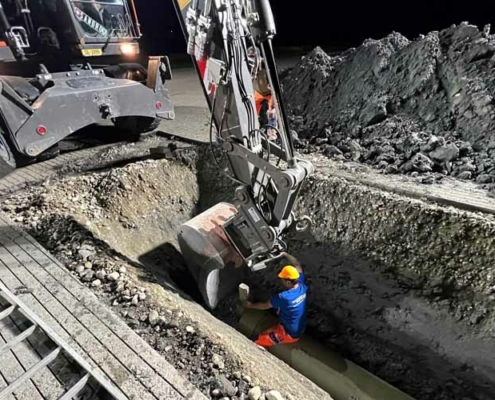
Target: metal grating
pixel 100 385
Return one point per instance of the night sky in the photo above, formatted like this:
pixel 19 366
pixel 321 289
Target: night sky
pixel 307 23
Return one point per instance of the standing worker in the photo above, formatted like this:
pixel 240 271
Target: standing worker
pixel 291 305
pixel 265 107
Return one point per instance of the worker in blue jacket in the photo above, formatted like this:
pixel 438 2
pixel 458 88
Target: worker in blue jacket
pixel 290 305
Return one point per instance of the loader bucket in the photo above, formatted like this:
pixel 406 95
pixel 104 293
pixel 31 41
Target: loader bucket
pixel 212 260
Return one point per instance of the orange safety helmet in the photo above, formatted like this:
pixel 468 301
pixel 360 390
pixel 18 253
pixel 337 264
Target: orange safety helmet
pixel 289 272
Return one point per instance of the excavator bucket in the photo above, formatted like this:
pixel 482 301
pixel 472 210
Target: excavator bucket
pixel 211 258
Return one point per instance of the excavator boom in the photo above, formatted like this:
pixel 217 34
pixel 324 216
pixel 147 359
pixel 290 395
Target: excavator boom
pixel 230 42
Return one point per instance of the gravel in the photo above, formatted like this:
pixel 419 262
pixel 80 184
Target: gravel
pixel 101 274
pixel 153 317
pixel 113 276
pixel 243 386
pixel 88 276
pixel 274 395
pixel 96 283
pixel 218 361
pixel 254 393
pixel 190 329
pixel 85 254
pixel 226 387
pixel 80 269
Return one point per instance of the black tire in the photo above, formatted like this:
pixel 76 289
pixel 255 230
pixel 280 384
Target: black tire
pixel 135 126
pixel 6 153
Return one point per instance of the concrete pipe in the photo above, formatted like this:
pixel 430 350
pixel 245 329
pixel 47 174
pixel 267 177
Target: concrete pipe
pixel 212 260
pixel 342 379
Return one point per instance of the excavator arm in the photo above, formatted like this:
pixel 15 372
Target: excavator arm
pixel 230 42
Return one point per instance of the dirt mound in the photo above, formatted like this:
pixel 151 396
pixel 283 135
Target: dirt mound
pixel 414 107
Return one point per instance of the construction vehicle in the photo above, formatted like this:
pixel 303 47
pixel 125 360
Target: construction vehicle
pixel 67 64
pixel 223 36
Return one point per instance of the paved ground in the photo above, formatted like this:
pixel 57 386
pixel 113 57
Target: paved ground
pixel 192 114
pixel 81 320
pixel 12 180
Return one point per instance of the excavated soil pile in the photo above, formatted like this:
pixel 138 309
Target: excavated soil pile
pixel 423 107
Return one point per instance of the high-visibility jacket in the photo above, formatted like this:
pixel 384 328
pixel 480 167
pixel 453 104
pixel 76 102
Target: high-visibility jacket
pixel 258 98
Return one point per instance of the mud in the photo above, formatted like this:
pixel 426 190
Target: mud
pixel 421 107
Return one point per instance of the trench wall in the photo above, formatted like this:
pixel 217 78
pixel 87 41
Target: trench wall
pixel 442 251
pixel 403 287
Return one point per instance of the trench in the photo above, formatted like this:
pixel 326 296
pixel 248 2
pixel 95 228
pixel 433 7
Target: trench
pixel 401 287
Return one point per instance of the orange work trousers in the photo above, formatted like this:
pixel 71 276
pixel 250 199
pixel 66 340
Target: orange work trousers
pixel 275 335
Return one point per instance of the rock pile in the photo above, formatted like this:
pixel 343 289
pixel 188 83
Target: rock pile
pixel 414 107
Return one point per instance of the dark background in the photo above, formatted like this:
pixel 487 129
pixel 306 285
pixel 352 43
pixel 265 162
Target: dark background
pixel 334 25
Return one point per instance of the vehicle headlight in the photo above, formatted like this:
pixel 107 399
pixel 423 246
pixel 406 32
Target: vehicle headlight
pixel 128 49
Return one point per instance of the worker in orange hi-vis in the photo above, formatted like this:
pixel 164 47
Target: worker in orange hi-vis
pixel 265 107
pixel 262 92
pixel 290 305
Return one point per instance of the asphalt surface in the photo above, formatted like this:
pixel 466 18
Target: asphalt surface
pixel 191 109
